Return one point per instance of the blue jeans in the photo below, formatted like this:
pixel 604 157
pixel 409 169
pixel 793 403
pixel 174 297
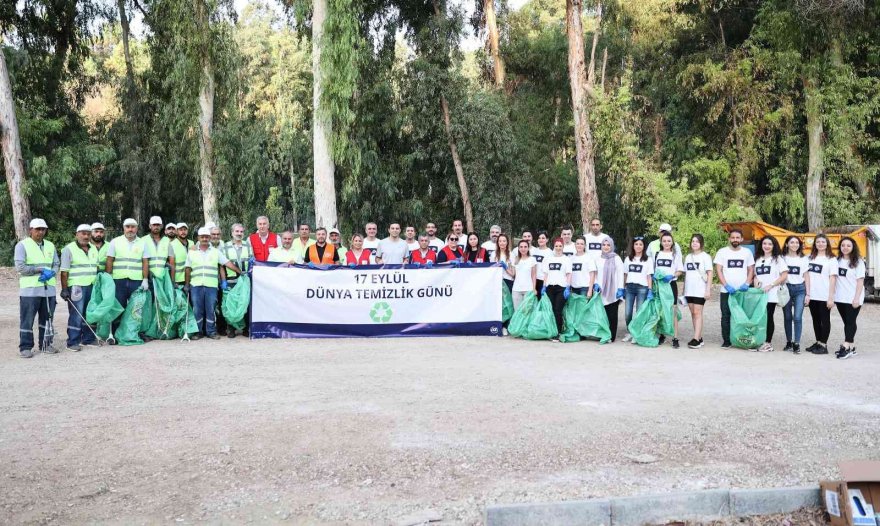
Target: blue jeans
pixel 793 312
pixel 77 332
pixel 635 296
pixel 124 288
pixel 30 308
pixel 204 300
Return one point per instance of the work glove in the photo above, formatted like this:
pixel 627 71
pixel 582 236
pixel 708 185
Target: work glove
pixel 744 287
pixel 352 265
pixel 596 287
pixel 469 263
pixel 504 265
pixel 65 293
pixel 455 263
pixel 429 263
pixel 650 295
pixel 187 288
pixel 145 284
pixel 45 275
pixel 668 278
pixel 251 261
pixel 311 265
pixel 567 292
pixel 730 289
pixel 620 294
pixel 224 285
pixel 543 290
pixel 416 264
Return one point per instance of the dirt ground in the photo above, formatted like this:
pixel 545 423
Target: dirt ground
pixel 386 431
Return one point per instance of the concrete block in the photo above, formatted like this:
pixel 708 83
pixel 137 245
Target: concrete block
pixel 744 502
pixel 594 512
pixel 660 509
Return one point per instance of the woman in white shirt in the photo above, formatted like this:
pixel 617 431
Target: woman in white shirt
pixel 557 280
pixel 539 254
pixel 638 270
pixel 697 286
pixel 798 284
pixel 822 267
pixel 668 260
pixel 770 272
pixel 849 293
pixel 502 255
pixel 525 272
pixel 609 277
pixel 583 269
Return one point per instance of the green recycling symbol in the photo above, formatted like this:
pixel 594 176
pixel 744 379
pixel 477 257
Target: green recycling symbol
pixel 381 312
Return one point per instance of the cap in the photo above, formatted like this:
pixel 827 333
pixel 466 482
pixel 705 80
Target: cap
pixel 182 225
pixel 130 222
pixel 665 227
pixel 210 224
pixel 334 231
pixel 84 228
pixel 170 225
pixel 205 231
pixel 155 220
pixel 97 226
pixel 38 223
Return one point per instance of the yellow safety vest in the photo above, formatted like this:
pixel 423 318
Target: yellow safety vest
pixel 39 258
pixel 102 254
pixel 159 255
pixel 127 262
pixel 204 265
pixel 230 253
pixel 180 252
pixel 83 267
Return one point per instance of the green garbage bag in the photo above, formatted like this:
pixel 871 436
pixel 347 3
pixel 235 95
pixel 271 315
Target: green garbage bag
pixel 644 325
pixel 138 314
pixel 748 318
pixel 187 324
pixel 520 319
pixel 666 306
pixel 103 307
pixel 236 301
pixel 166 313
pixel 542 323
pixel 506 303
pixel 585 318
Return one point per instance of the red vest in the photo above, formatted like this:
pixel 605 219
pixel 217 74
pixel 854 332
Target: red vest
pixel 450 255
pixel 480 256
pixel 261 250
pixel 363 260
pixel 416 257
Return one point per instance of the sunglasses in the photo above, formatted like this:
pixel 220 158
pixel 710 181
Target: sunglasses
pixel 453 239
pixel 639 238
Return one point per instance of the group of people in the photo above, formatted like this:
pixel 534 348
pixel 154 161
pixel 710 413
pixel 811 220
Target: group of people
pixel 557 267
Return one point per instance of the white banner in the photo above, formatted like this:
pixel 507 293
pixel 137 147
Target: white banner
pixel 388 300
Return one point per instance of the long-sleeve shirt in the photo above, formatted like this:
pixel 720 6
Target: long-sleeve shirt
pixel 20 256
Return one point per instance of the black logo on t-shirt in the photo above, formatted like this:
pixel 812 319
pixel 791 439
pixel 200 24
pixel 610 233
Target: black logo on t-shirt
pixel 567 253
pixel 635 268
pixel 595 246
pixel 555 266
pixel 794 270
pixel 815 267
pixel 736 263
pixel 693 266
pixel 664 263
pixel 539 258
pixel 576 267
pixel 762 270
pixel 841 272
pixel 371 251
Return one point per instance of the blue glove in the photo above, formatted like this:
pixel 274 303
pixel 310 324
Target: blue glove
pixel 251 261
pixel 730 289
pixel 45 275
pixel 596 287
pixel 469 263
pixel 455 263
pixel 312 265
pixel 650 295
pixel 352 265
pixel 567 292
pixel 544 290
pixel 504 265
pixel 417 265
pixel 619 295
pixel 429 263
pixel 744 287
pixel 224 285
pixel 667 279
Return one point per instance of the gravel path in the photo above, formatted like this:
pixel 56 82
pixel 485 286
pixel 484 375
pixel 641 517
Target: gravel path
pixel 375 431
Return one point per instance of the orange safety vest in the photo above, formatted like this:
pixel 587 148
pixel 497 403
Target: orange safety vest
pixel 329 250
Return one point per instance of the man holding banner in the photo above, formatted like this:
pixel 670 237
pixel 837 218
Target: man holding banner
pixel 322 252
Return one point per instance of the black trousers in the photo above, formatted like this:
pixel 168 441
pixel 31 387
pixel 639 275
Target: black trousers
pixel 848 314
pixel 611 312
pixel 539 284
pixel 771 308
pixel 821 320
pixel 221 321
pixel 554 292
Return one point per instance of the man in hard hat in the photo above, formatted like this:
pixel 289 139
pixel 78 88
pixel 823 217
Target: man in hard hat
pixel 336 240
pixel 654 246
pixel 239 252
pixel 127 263
pixel 171 231
pixel 157 249
pixel 205 271
pixel 180 247
pixel 285 253
pixel 99 243
pixel 36 262
pixel 263 240
pixel 79 266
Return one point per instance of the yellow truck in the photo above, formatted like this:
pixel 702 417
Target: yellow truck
pixel 867 238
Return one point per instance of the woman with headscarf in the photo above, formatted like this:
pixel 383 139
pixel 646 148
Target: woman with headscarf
pixel 610 277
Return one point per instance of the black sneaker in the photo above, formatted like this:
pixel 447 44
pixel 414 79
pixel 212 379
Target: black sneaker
pixel 196 337
pixel 788 347
pixel 796 348
pixel 820 349
pixel 662 339
pixel 230 333
pixel 840 351
pixel 726 345
pixel 847 354
pixel 812 348
pixel 214 336
pixel 675 344
pixel 695 344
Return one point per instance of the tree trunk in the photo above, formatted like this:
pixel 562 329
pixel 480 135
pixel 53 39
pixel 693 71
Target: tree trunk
pixel 494 46
pixel 323 165
pixel 126 32
pixel 816 160
pixel 604 65
pixel 12 159
pixel 583 134
pixel 591 72
pixel 206 143
pixel 459 171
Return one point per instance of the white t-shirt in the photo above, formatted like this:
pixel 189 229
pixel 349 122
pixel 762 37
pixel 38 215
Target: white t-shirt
pixel 797 268
pixel 540 254
pixel 638 272
pixel 600 276
pixel 695 268
pixel 569 249
pixel 767 271
pixel 735 265
pixel 437 244
pixel 392 252
pixel 372 245
pixel 490 249
pixel 821 270
pixel 555 269
pixel 410 247
pixel 668 262
pixel 523 280
pixel 845 288
pixel 581 266
pixel 506 259
pixel 594 244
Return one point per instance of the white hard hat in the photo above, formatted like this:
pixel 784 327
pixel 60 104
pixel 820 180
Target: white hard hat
pixel 84 228
pixel 97 226
pixel 155 220
pixel 665 227
pixel 38 223
pixel 170 225
pixel 130 222
pixel 205 231
pixel 182 225
pixel 334 231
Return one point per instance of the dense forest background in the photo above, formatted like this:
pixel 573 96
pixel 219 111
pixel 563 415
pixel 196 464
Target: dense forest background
pixel 698 112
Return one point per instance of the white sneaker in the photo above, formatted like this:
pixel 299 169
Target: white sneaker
pixel 627 338
pixel 765 348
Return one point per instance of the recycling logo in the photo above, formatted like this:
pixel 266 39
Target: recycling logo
pixel 381 312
